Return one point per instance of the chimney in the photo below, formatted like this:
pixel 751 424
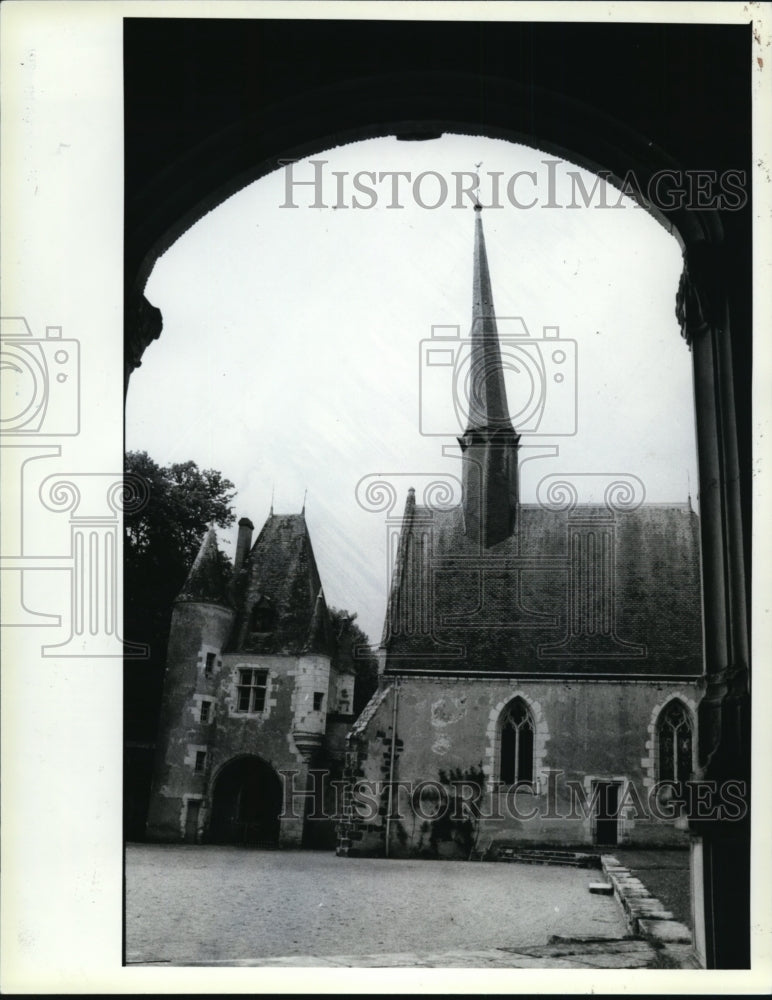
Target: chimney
pixel 243 544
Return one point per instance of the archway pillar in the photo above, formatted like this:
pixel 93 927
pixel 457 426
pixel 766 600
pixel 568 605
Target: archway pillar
pixel 142 324
pixel 720 851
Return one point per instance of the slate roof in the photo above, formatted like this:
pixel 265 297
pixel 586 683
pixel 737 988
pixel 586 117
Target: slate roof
pixel 209 578
pixel 585 591
pixel 280 578
pixel 377 699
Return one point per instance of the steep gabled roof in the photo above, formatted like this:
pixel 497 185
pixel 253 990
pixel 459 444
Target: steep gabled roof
pixel 209 579
pixel 280 606
pixel 585 591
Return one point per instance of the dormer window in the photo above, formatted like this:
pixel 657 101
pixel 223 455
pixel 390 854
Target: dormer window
pixel 263 617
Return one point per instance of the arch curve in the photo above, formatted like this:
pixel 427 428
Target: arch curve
pixel 699 116
pixel 246 800
pixel 529 716
pixel 417 105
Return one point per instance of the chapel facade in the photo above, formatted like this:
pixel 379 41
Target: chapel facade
pixel 541 664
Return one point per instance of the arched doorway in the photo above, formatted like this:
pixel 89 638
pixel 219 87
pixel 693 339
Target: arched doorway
pixel 246 802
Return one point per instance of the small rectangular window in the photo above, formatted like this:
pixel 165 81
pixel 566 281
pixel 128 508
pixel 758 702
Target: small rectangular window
pixel 318 700
pixel 209 665
pixel 205 708
pixel 200 760
pixel 251 690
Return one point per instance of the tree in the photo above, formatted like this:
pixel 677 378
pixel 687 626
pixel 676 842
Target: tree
pixel 162 538
pixel 182 502
pixel 353 653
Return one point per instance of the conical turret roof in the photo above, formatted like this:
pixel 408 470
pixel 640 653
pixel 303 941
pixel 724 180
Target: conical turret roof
pixel 208 580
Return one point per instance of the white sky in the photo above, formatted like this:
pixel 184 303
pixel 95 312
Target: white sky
pixel 290 355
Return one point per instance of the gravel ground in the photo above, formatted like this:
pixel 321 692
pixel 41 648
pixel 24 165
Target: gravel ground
pixel 189 903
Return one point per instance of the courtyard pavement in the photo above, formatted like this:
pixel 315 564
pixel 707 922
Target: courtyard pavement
pixel 207 905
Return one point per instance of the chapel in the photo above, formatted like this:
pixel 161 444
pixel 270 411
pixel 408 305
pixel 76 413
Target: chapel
pixel 541 663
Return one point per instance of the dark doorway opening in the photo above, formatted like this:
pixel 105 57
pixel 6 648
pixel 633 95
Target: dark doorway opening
pixel 246 804
pixel 606 798
pixel 191 821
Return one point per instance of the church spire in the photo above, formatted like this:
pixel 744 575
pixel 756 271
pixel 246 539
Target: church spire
pixel 489 444
pixel 488 394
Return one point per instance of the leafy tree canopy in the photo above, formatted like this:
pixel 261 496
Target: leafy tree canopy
pixel 162 538
pixel 183 501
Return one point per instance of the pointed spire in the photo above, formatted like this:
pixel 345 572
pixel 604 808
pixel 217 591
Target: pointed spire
pixel 489 444
pixel 487 392
pixel 393 622
pixel 207 580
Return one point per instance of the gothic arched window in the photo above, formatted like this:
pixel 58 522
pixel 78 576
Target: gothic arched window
pixel 674 743
pixel 517 729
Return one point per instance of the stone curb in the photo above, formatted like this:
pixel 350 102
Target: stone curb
pixel 644 914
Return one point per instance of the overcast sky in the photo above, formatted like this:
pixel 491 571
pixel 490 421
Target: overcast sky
pixel 291 357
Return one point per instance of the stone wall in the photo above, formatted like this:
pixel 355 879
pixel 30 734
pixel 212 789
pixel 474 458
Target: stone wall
pixel 197 631
pixel 202 729
pixel 449 729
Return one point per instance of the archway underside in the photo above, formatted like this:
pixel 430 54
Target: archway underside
pixel 246 802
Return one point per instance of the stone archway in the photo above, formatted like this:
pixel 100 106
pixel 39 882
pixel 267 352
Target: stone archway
pixel 605 118
pixel 246 802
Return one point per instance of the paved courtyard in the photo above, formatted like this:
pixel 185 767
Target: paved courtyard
pixel 231 905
